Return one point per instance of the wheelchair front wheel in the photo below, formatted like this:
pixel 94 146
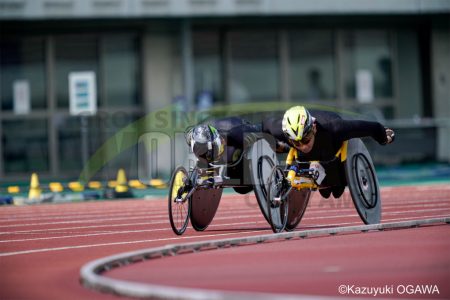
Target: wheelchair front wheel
pixel 277 200
pixel 179 208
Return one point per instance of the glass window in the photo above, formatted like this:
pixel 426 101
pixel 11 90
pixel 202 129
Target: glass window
pixel 25 146
pixel 127 157
pixel 207 68
pixel 69 138
pixel 73 53
pixel 312 65
pixel 409 76
pixel 70 150
pixel 22 60
pixel 367 64
pixel 121 76
pixel 254 74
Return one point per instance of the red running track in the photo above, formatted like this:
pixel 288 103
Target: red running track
pixel 42 248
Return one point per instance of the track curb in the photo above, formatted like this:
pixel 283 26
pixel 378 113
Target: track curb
pixel 91 273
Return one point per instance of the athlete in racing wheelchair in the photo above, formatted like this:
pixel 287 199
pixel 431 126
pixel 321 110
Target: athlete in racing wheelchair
pixel 218 146
pixel 324 153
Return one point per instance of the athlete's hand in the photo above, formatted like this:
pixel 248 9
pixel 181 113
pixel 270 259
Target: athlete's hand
pixel 282 147
pixel 390 135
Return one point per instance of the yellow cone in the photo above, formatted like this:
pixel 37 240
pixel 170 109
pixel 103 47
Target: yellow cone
pixel 76 186
pixel 122 184
pixel 56 187
pixel 35 190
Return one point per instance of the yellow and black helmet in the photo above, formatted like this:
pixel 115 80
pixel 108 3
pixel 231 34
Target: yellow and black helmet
pixel 297 123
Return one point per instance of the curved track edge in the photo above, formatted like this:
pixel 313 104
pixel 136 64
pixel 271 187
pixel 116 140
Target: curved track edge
pixel 91 273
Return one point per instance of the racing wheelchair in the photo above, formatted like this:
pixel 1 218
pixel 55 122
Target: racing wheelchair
pixel 360 177
pixel 195 194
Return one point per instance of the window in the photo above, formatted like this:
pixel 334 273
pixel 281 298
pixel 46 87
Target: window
pixel 207 68
pixel 409 76
pixel 69 130
pixel 121 76
pixel 312 65
pixel 25 146
pixel 128 157
pixel 115 60
pixel 367 61
pixel 22 60
pixel 254 66
pixel 73 53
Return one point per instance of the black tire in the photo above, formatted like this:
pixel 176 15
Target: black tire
pixel 178 211
pixel 277 212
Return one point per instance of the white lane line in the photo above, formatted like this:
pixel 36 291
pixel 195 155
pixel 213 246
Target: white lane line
pixel 123 243
pixel 165 220
pixel 350 207
pixel 100 214
pixel 414 218
pixel 31 231
pixel 80 217
pixel 121 232
pixel 64 214
pixel 142 213
pixel 429 188
pixel 416 211
pixel 78 227
pixel 382 214
pixel 304 223
pixel 74 222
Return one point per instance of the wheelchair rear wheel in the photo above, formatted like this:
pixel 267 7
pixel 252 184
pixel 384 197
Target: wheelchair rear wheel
pixel 363 182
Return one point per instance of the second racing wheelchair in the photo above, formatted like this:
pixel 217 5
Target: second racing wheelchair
pixel 289 190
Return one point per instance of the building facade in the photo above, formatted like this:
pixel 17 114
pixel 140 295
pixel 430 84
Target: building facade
pixel 385 60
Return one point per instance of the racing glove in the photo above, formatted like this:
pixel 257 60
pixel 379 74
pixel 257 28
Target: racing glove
pixel 390 135
pixel 282 147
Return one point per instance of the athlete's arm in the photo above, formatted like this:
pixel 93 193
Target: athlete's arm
pixel 348 129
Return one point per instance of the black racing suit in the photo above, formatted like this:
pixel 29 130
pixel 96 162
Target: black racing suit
pixel 238 135
pixel 332 131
